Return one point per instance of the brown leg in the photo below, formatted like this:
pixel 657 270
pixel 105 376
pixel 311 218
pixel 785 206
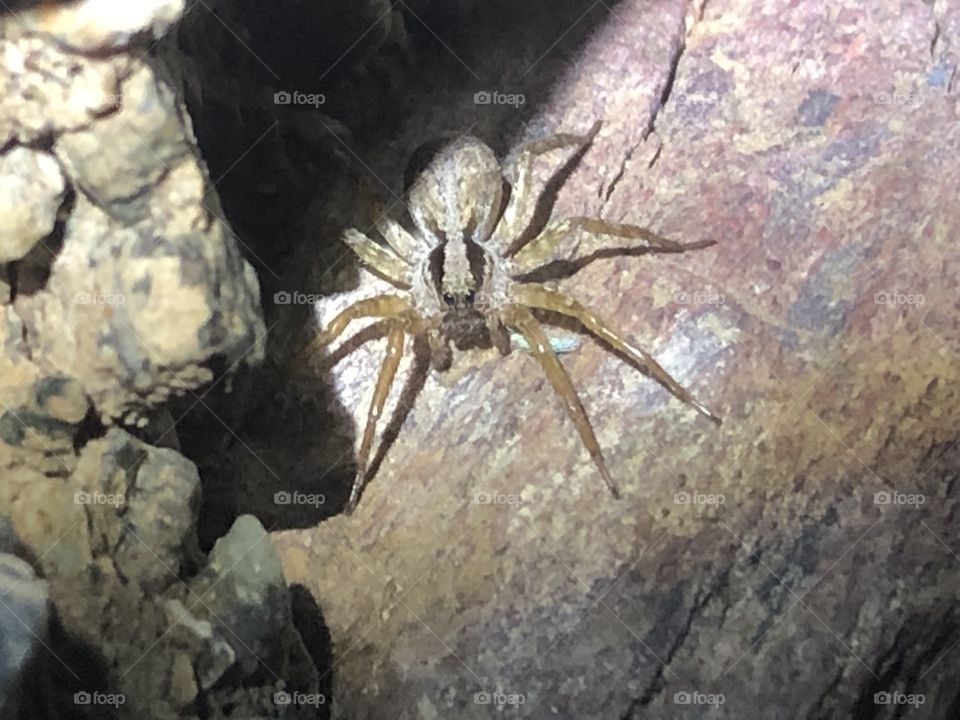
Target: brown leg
pixel 378 258
pixel 523 320
pixel 388 371
pixel 510 225
pixel 538 296
pixel 542 248
pixel 381 306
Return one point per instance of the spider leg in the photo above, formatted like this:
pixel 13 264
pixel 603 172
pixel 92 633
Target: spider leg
pixel 511 224
pixel 522 319
pixel 543 247
pixel 382 306
pixel 408 246
pixel 388 371
pixel 382 260
pixel 543 298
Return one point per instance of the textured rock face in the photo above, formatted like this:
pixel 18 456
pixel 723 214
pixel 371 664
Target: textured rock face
pixel 799 561
pixel 120 287
pixel 31 190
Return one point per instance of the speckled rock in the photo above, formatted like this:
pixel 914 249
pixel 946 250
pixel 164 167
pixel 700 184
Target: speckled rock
pixel 38 77
pixel 120 286
pixel 146 319
pixel 245 594
pixel 31 190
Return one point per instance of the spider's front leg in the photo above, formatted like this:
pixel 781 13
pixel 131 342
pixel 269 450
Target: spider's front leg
pixel 402 318
pixel 543 298
pixel 520 318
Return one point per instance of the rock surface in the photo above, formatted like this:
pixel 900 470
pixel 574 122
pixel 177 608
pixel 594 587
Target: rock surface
pixel 800 561
pixel 121 286
pixel 23 627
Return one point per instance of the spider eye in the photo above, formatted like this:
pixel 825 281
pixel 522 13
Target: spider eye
pixel 448 298
pixel 470 296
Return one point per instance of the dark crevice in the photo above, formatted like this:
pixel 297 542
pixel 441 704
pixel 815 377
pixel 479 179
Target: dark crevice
pixel 651 123
pixel 656 684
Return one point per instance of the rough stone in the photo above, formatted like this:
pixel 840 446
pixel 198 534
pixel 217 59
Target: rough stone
pixel 31 190
pixel 23 626
pixel 773 567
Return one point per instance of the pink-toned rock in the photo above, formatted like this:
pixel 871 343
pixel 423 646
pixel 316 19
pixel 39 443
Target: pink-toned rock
pixel 769 568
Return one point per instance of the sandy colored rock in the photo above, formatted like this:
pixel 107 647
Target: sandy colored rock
pixel 102 25
pixel 31 190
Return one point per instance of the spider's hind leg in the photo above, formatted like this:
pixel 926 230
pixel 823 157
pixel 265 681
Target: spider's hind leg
pixel 543 247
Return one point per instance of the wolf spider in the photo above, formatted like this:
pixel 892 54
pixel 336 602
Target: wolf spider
pixel 462 277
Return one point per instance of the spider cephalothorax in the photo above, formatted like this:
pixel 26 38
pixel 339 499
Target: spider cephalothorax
pixel 459 276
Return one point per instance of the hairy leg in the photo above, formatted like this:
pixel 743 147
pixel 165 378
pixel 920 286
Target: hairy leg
pixel 526 324
pixel 388 371
pixel 378 258
pixel 380 306
pixel 409 247
pixel 543 247
pixel 543 298
pixel 510 227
